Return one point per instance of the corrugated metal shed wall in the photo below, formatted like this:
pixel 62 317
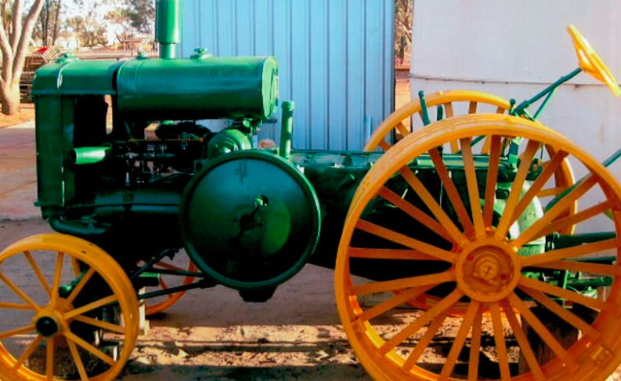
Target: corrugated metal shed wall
pixel 335 56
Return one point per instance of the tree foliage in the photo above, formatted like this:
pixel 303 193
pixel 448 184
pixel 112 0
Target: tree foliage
pixel 18 24
pixel 48 27
pixel 131 17
pixel 89 31
pixel 403 23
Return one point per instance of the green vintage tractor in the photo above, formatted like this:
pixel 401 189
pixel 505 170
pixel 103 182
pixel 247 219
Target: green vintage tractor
pixel 468 228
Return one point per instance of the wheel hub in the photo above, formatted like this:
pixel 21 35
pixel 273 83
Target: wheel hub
pixel 47 327
pixel 488 271
pixel 50 322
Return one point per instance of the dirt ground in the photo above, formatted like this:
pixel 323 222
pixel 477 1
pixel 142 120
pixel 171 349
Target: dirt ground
pixel 26 114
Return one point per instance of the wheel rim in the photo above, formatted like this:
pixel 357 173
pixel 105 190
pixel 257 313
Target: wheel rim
pixel 473 102
pixel 29 270
pixel 391 350
pixel 160 304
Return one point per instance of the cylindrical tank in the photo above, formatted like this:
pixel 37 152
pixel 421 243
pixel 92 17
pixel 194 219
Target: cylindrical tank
pixel 199 88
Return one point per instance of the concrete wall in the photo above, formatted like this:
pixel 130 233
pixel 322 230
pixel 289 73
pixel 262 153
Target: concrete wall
pixel 335 59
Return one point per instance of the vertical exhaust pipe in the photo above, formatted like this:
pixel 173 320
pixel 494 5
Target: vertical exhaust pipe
pixel 168 27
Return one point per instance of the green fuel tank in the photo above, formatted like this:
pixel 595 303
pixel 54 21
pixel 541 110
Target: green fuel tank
pixel 201 87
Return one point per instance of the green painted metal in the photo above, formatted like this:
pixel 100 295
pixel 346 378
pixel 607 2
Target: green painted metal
pixel 192 89
pixel 75 77
pixel 250 220
pixel 286 130
pixel 423 108
pixel 228 141
pixel 90 155
pixel 168 27
pixel 521 109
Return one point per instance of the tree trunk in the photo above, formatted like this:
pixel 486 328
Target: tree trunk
pixel 10 99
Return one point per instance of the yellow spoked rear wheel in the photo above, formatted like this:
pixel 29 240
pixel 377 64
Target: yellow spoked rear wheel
pixel 48 334
pixel 161 304
pixel 457 103
pixel 483 269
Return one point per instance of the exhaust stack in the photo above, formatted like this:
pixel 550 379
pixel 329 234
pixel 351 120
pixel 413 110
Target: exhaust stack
pixel 168 27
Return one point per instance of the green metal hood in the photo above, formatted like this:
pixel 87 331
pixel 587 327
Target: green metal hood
pixel 75 77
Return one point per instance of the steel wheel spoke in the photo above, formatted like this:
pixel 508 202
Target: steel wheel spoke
pixel 433 205
pixel 563 313
pixel 57 276
pixel 100 324
pixel 49 359
pixel 16 306
pixel 414 212
pixel 76 291
pixel 562 293
pixel 429 315
pixel 16 331
pixel 423 343
pixel 168 266
pixel 448 109
pixel 570 252
pixel 556 210
pixel 472 107
pixel 451 189
pixel 558 225
pixel 473 187
pixel 527 350
pixel 551 192
pixel 460 339
pixel 88 347
pixel 590 268
pixel 19 292
pixel 534 189
pixel 399 254
pixel 516 188
pixel 541 330
pixel 391 303
pixel 499 338
pixel 492 178
pixel 78 360
pixel 406 241
pixel 29 350
pixel 37 270
pixel 475 346
pixel 402 129
pixel 91 306
pixel 398 284
pixel 385 145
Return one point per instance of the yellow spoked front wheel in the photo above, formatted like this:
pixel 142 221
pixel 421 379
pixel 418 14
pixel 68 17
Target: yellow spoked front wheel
pixel 483 269
pixel 57 327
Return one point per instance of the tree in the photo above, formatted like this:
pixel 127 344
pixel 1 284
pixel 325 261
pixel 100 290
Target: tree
pixel 403 23
pixel 89 30
pixel 141 14
pixel 14 44
pixel 48 27
pixel 122 22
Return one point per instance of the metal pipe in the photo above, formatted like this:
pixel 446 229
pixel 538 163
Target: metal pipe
pixel 168 27
pixel 286 131
pixel 90 155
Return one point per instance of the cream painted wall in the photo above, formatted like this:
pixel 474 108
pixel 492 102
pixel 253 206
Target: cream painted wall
pixel 514 49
